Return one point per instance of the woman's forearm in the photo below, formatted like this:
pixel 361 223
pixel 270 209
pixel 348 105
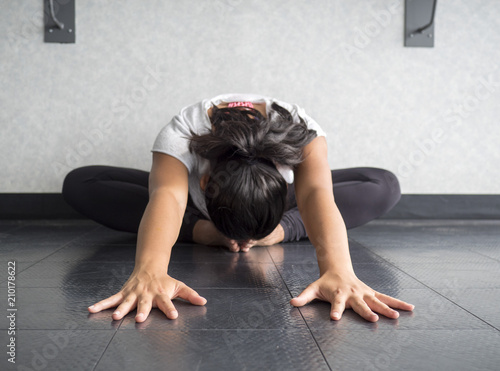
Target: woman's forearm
pixel 326 230
pixel 158 230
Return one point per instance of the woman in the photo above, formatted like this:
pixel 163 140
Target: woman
pixel 238 171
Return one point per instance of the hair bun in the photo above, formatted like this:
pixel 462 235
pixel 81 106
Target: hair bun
pixel 278 140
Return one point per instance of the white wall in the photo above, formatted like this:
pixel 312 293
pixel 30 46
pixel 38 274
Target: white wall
pixel 98 101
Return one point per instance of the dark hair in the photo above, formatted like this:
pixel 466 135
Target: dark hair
pixel 246 195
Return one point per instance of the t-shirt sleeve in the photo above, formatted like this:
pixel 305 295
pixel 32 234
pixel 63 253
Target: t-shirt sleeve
pixel 173 140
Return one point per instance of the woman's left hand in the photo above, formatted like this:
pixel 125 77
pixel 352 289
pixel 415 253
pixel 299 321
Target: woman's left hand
pixel 345 290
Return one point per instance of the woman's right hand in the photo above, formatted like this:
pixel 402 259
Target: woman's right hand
pixel 146 289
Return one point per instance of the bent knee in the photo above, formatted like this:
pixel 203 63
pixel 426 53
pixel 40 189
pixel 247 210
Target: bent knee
pixel 387 192
pixel 75 182
pixel 389 188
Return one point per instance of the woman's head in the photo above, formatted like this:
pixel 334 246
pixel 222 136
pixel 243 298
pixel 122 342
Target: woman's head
pixel 245 193
pixel 245 200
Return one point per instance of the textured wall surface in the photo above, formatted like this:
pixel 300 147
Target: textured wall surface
pixel 431 115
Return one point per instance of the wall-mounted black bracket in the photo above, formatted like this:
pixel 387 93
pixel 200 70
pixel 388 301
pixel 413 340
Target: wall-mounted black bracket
pixel 419 22
pixel 59 21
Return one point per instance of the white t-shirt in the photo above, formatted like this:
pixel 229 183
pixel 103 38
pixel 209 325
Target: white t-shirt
pixel 173 139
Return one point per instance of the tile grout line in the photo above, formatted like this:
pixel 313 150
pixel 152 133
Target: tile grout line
pixel 301 314
pixel 106 348
pixel 67 243
pixel 62 247
pixel 285 285
pixel 20 225
pixel 52 253
pixel 486 256
pixel 430 288
pixel 121 321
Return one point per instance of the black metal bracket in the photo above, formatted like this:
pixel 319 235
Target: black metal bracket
pixel 59 21
pixel 419 22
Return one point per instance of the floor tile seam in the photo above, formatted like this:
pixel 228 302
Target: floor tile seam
pixel 282 329
pixel 290 329
pixel 472 314
pixel 65 245
pixel 371 330
pixel 192 286
pixel 52 221
pixel 279 272
pixel 100 244
pixel 36 244
pixel 62 329
pixel 86 261
pixel 125 316
pixel 460 221
pixel 15 228
pixel 423 246
pixel 285 329
pixel 438 293
pixel 303 318
pixel 315 329
pixel 48 243
pixel 270 288
pixel 311 333
pixel 438 263
pixel 493 261
pixel 77 286
pixel 18 272
pixel 273 288
pixel 386 247
pixel 187 330
pixel 498 260
pixel 484 330
pixel 283 282
pixel 281 263
pixel 282 279
pixel 471 288
pixel 131 262
pixel 18 261
pixel 271 256
pixel 471 264
pixel 399 268
pixel 225 263
pixel 105 349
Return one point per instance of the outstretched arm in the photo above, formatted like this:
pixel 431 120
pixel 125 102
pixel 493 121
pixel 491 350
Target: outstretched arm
pixel 149 284
pixel 327 232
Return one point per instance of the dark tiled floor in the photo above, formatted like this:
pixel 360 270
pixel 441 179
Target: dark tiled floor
pixel 450 270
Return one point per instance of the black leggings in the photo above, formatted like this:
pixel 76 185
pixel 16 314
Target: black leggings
pixel 117 197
